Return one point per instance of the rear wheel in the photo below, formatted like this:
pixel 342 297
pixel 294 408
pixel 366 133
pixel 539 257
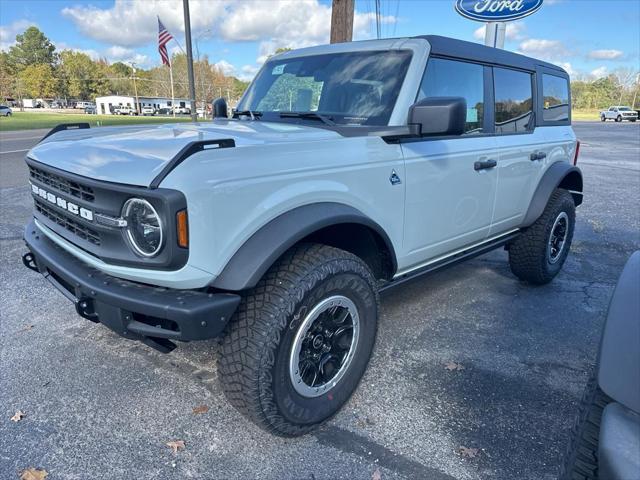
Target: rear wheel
pixel 581 459
pixel 301 340
pixel 538 254
pixel 618 118
pixel 603 118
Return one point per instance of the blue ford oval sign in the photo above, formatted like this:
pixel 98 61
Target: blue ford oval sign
pixel 497 10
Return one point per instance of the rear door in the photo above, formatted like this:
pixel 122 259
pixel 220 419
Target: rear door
pixel 522 147
pixel 449 203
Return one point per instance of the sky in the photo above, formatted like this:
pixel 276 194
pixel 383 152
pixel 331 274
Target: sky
pixel 589 38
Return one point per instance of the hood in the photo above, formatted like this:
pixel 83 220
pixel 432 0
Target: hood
pixel 136 155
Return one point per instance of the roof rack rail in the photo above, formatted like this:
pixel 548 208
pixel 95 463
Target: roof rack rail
pixel 66 126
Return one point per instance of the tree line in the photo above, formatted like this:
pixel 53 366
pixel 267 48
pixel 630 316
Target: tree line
pixel 33 68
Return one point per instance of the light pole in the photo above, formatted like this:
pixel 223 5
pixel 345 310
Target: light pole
pixel 187 35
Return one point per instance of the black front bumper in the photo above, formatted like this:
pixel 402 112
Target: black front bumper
pixel 153 315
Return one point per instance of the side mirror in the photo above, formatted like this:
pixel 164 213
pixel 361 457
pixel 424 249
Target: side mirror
pixel 219 108
pixel 438 116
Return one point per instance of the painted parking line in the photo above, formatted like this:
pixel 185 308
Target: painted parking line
pixel 10 139
pixel 15 151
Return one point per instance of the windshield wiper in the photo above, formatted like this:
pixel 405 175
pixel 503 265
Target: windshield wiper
pixel 310 115
pixel 251 113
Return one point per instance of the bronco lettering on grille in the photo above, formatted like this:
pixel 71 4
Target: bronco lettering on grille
pixel 62 203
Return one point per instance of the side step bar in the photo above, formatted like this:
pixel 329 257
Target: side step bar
pixel 450 261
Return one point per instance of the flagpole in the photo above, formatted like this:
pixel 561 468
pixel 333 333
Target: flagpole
pixel 173 100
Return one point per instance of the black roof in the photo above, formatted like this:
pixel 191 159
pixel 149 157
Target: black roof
pixel 451 47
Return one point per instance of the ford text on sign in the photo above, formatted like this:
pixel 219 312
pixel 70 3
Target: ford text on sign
pixel 496 10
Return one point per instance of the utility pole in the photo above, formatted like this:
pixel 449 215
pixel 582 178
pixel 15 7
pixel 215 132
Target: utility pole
pixel 135 88
pixel 187 35
pixel 342 21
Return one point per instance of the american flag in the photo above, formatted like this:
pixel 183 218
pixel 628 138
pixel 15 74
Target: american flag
pixel 163 38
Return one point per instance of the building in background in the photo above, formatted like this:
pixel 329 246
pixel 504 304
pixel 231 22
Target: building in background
pixel 105 105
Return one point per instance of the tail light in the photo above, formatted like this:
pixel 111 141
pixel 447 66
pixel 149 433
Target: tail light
pixel 575 158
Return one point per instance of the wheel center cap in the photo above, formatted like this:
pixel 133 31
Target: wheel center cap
pixel 318 340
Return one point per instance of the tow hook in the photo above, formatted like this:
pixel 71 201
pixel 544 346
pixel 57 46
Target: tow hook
pixel 29 261
pixel 84 307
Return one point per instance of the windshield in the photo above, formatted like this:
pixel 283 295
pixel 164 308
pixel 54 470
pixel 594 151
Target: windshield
pixel 624 109
pixel 353 88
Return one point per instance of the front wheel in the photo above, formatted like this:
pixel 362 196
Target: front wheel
pixel 301 340
pixel 538 254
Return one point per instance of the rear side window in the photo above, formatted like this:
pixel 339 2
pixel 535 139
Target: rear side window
pixel 513 100
pixel 450 78
pixel 555 93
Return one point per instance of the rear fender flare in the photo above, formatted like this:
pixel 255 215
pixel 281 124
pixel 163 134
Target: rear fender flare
pixel 556 176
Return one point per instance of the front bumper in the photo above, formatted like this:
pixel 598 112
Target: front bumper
pixel 153 315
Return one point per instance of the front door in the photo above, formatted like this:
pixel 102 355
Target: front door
pixel 449 198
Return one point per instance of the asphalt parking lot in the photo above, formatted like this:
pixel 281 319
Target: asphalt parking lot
pixel 99 406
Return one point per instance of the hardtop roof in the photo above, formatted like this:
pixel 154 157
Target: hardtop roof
pixel 451 47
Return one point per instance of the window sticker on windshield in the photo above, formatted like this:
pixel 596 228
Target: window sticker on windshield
pixel 472 115
pixel 278 69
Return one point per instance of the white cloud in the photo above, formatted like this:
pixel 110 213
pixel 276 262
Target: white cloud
pixel 552 50
pixel 605 54
pixel 117 53
pixel 568 68
pixel 8 33
pixel 599 72
pixel 133 22
pixel 225 67
pixel 515 31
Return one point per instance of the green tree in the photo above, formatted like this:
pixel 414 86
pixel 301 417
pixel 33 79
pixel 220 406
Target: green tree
pixel 80 77
pixel 37 81
pixel 32 47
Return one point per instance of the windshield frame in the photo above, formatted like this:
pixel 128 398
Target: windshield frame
pixel 419 49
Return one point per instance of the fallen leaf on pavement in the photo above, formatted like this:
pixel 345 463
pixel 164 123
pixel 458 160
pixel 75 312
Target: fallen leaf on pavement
pixel 18 416
pixel 176 445
pixel 27 327
pixel 468 452
pixel 200 409
pixel 33 474
pixel 453 366
pixel 376 475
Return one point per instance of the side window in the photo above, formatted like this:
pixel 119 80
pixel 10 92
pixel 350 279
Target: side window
pixel 513 98
pixel 451 78
pixel 555 94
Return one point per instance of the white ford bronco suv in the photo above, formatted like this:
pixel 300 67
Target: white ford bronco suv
pixel 346 170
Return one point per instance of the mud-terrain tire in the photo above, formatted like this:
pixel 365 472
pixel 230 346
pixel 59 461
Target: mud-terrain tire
pixel 618 118
pixel 259 364
pixel 534 256
pixel 581 458
pixel 603 118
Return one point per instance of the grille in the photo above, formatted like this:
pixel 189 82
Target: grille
pixel 62 184
pixel 68 223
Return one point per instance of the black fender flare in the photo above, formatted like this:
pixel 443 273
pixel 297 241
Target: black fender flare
pixel 619 361
pixel 551 180
pixel 252 260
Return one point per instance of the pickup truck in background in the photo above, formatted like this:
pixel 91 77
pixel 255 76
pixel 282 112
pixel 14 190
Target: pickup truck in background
pixel 619 113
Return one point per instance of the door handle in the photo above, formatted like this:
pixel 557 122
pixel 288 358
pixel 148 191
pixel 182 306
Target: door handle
pixel 483 164
pixel 537 156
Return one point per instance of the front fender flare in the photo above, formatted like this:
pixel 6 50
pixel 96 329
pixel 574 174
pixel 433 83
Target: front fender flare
pixel 551 180
pixel 252 260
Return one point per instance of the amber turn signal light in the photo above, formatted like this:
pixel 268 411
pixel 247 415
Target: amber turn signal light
pixel 182 228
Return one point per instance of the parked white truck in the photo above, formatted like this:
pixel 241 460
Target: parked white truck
pixel 346 169
pixel 619 113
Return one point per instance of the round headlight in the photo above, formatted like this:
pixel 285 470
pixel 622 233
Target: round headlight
pixel 144 227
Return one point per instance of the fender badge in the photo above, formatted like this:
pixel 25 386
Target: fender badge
pixel 394 178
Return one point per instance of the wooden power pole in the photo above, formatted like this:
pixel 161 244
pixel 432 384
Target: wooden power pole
pixel 342 21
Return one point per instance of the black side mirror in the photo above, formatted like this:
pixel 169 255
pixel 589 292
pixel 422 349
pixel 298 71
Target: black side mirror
pixel 219 108
pixel 438 116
